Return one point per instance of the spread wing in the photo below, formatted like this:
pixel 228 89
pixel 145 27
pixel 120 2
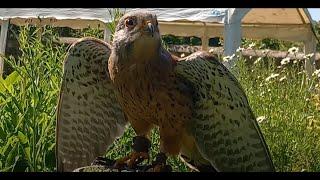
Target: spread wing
pixel 223 124
pixel 89 117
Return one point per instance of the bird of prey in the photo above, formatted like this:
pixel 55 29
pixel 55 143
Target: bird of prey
pixel 200 108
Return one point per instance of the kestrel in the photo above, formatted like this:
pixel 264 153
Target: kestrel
pixel 200 108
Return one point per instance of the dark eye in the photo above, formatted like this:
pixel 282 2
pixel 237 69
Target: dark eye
pixel 130 23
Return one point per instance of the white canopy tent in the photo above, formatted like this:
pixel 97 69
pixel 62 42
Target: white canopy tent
pixel 292 24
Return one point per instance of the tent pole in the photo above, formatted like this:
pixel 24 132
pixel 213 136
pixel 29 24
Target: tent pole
pixel 310 47
pixel 204 39
pixel 232 32
pixel 3 42
pixel 232 40
pixel 107 35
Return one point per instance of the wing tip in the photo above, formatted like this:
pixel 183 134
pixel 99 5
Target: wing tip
pixel 86 39
pixel 207 55
pixel 203 55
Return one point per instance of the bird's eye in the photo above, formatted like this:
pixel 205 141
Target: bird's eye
pixel 129 23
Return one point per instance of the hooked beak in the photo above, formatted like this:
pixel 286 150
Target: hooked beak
pixel 150 28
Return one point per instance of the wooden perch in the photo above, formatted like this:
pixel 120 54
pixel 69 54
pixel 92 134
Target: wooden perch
pixel 186 49
pixel 102 164
pixel 219 51
pixel 100 168
pixel 67 40
pixel 245 52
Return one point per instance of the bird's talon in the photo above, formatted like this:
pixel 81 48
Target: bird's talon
pixel 132 160
pixel 103 161
pixel 161 158
pixel 159 165
pixel 119 164
pixel 162 168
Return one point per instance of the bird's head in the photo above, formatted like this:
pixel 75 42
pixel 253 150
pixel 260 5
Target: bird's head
pixel 137 36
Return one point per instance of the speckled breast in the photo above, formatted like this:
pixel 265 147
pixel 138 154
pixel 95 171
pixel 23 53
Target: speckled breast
pixel 157 102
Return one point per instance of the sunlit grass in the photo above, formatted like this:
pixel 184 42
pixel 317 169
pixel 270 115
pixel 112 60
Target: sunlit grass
pixel 28 99
pixel 291 117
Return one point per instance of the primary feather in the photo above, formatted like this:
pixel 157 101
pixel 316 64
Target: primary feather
pixel 224 127
pixel 89 117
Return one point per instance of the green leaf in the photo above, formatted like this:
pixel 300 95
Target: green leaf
pixel 2 85
pixel 11 156
pixel 2 133
pixel 27 153
pixel 3 99
pixel 5 169
pixel 8 83
pixel 23 139
pixel 52 146
pixel 12 78
pixel 9 143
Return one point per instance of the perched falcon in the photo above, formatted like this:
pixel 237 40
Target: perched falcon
pixel 200 108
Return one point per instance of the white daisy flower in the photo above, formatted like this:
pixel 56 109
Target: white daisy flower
pixel 258 60
pixel 285 61
pixel 227 58
pixel 265 51
pixel 316 73
pixel 293 50
pixel 251 45
pixel 308 56
pixel 272 76
pixel 240 49
pixel 261 119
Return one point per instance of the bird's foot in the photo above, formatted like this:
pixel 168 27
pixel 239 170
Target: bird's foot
pixel 161 168
pixel 160 164
pixel 132 160
pixel 141 147
pixel 103 161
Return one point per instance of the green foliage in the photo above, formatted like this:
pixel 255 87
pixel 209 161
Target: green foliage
pixel 272 44
pixel 280 96
pixel 171 39
pixel 79 33
pixel 28 99
pixel 92 32
pixel 115 15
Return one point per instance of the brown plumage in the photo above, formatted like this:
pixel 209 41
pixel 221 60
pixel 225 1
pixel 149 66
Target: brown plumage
pixel 89 118
pixel 155 88
pixel 200 108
